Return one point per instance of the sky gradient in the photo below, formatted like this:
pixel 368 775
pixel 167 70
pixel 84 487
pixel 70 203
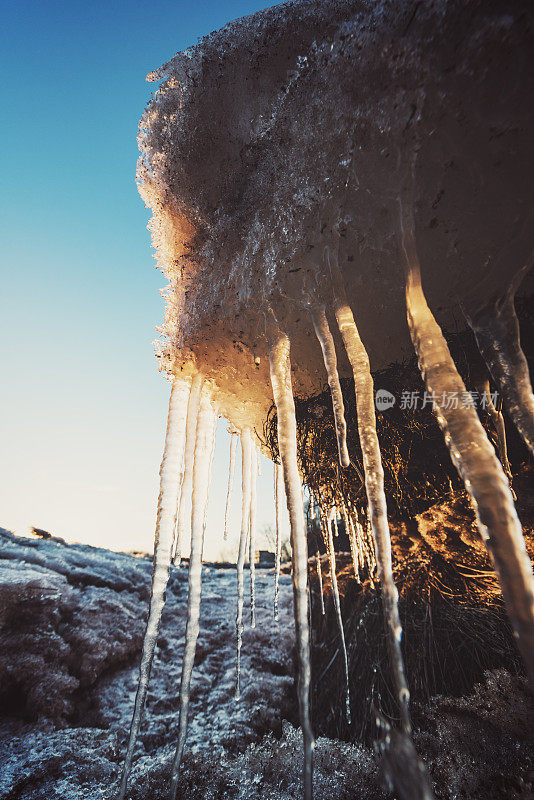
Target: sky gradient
pixel 83 406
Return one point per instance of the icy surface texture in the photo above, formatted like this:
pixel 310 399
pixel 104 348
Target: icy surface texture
pixel 472 454
pixel 282 130
pixel 75 656
pixel 69 614
pixel 476 747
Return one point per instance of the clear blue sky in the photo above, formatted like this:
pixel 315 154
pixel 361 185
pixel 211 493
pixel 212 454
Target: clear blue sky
pixel 82 404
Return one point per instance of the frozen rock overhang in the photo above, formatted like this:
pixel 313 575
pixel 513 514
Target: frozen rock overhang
pixel 292 131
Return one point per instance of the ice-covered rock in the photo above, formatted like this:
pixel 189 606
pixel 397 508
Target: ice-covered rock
pixel 295 129
pixel 68 615
pixel 72 619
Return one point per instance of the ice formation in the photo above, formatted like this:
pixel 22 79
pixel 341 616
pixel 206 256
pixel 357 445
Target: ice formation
pixel 252 532
pixel 374 481
pixel 188 458
pixel 204 446
pixel 274 157
pixel 329 541
pixel 497 332
pixel 328 348
pixel 278 500
pixel 280 365
pixel 231 473
pixel 165 523
pixel 320 578
pixel 246 476
pixel 354 549
pixel 471 452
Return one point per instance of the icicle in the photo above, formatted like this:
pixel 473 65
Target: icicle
pixel 370 546
pixel 312 506
pixel 278 500
pixel 280 368
pixel 165 521
pixel 187 480
pixel 349 530
pixel 252 533
pixel 357 533
pixel 374 483
pixel 471 451
pixel 231 472
pixel 322 330
pixel 334 520
pixel 246 450
pixel 327 530
pixel 498 422
pixel 497 333
pixel 320 576
pixel 204 447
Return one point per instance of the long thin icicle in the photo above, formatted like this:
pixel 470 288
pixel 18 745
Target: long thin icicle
pixel 280 368
pixel 322 330
pixel 498 422
pixel 182 522
pixel 471 452
pixel 231 473
pixel 204 447
pixel 334 520
pixel 357 536
pixel 252 533
pixel 496 330
pixel 320 577
pixel 349 530
pixel 278 500
pixel 329 541
pixel 165 522
pixel 374 485
pixel 246 456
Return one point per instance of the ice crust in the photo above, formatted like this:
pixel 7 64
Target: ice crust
pixel 290 129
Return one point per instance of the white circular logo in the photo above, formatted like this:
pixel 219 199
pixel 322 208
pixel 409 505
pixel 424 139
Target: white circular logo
pixel 384 400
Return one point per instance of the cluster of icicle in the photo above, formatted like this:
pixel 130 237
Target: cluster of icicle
pixel 186 468
pixel 185 474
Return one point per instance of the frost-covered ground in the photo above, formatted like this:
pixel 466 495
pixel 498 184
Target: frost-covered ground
pixel 71 625
pixel 71 619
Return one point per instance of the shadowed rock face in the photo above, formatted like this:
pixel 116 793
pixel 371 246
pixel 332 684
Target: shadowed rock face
pixel 72 619
pixel 68 616
pixel 297 129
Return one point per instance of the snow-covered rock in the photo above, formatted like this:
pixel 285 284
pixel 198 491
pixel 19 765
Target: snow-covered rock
pixel 295 130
